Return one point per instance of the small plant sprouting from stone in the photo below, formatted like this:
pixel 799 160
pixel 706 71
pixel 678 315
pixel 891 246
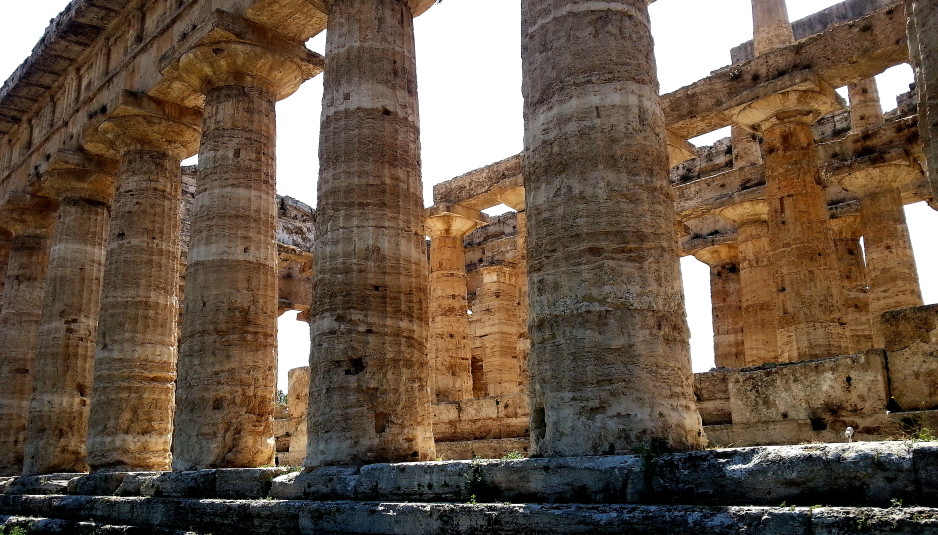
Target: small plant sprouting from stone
pixel 478 487
pixel 512 455
pixel 15 530
pixel 895 503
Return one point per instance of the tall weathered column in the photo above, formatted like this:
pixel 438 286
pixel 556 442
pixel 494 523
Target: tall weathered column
pixel 226 376
pixel 890 262
pixel 58 412
pixel 31 219
pixel 726 304
pixel 132 397
pixel 496 309
pixel 756 280
pixel 610 365
pixel 370 390
pixel 771 26
pixel 846 235
pixel 865 107
pixel 923 48
pixel 746 149
pixel 514 199
pixel 449 345
pixel 810 309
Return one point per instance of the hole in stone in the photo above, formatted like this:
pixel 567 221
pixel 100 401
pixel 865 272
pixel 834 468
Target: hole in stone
pixel 355 366
pixel 217 404
pixel 818 424
pixel 237 153
pixel 218 51
pixel 381 423
pixel 385 112
pixel 538 423
pixel 849 380
pixel 784 415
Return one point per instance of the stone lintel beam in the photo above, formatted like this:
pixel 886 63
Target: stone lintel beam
pixel 475 189
pixel 842 55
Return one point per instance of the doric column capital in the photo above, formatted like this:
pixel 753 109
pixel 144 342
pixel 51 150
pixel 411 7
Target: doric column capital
pixel 513 198
pixel 878 172
pixel 800 97
pixel 210 65
pixel 505 273
pixel 453 220
pixel 679 149
pixel 746 212
pixel 78 175
pixel 137 122
pixel 24 214
pixel 719 255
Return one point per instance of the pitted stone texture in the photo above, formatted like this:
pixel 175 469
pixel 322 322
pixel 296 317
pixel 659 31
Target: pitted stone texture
pixel 370 393
pixel 610 366
pixel 131 413
pixel 846 236
pixel 42 485
pixel 449 345
pixel 6 242
pixel 227 364
pixel 911 339
pixel 58 412
pixel 757 282
pixel 865 107
pixel 495 322
pixel 20 316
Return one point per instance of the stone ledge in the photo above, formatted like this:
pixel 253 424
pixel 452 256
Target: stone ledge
pixel 162 515
pixel 857 474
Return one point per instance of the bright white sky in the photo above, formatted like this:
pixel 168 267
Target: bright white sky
pixel 469 68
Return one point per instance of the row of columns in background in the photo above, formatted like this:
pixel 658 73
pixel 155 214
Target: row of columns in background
pixel 609 364
pixel 111 244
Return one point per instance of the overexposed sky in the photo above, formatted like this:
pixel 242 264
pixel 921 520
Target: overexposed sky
pixel 469 69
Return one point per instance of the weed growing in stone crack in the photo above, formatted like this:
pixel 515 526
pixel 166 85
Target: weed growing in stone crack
pixel 511 455
pixel 895 503
pixel 15 530
pixel 478 487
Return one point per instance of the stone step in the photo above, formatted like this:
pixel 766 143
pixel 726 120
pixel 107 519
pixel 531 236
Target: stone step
pixel 274 517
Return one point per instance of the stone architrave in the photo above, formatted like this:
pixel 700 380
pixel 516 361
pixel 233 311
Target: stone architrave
pixel 726 304
pixel 890 262
pixel 846 235
pixel 132 397
pixel 58 411
pixel 610 366
pixel 31 220
pixel 514 199
pixel 810 309
pixel 496 315
pixel 226 376
pixel 449 344
pixel 771 27
pixel 756 280
pixel 370 386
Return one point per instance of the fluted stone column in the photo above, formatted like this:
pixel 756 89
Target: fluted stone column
pixel 20 314
pixel 496 310
pixel 746 149
pixel 132 398
pixel 757 282
pixel 58 412
pixel 726 304
pixel 228 351
pixel 370 390
pixel 846 235
pixel 865 107
pixel 891 269
pixel 449 344
pixel 810 309
pixel 514 199
pixel 772 29
pixel 610 365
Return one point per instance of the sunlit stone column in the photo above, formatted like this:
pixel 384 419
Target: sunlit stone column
pixel 496 308
pixel 746 149
pixel 846 235
pixel 810 309
pixel 610 365
pixel 131 415
pixel 772 29
pixel 370 387
pixel 726 304
pixel 756 281
pixel 227 371
pixel 31 220
pixel 891 269
pixel 58 412
pixel 514 199
pixel 449 344
pixel 865 107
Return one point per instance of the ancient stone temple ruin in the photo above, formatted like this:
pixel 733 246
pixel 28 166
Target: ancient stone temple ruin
pixel 521 373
